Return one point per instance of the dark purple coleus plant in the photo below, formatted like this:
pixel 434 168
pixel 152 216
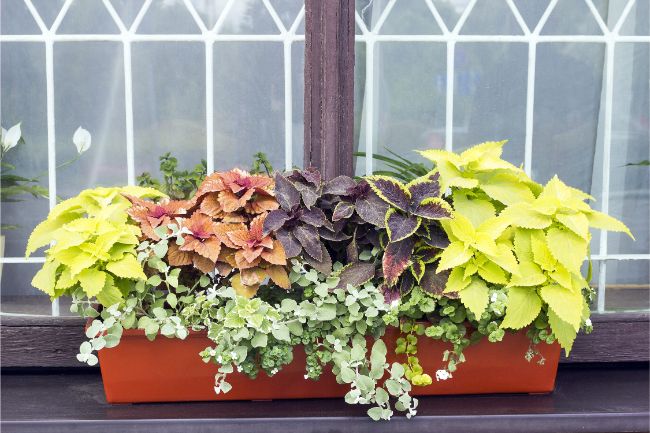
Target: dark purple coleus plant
pixel 327 221
pixel 413 231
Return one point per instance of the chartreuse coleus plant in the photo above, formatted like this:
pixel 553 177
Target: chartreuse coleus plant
pixel 509 231
pixel 92 245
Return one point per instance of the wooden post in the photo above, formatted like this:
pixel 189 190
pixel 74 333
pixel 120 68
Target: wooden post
pixel 329 86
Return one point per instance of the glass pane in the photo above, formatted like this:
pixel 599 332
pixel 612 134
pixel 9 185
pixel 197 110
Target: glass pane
pixel 568 85
pixel 489 75
pixel 298 104
pixel 23 100
pixel 248 103
pixel 87 16
pixel 491 17
pixel 15 19
pixel 89 92
pixel 570 17
pixel 629 197
pixel 168 103
pixel 170 17
pixel 409 97
pixel 411 17
pixel 627 285
pixel 249 17
pixel 17 294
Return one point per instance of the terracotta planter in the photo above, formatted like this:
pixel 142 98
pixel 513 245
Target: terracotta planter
pixel 167 370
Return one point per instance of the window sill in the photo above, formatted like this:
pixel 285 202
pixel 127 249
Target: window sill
pixel 588 398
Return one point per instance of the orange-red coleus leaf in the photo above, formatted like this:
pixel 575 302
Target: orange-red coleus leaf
pixel 151 215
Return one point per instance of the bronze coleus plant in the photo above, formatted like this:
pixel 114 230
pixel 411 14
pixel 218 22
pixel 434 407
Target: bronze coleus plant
pixel 414 234
pixel 222 229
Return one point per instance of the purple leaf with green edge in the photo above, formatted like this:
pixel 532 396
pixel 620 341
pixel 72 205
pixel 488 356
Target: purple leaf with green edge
pixel 372 209
pixel 314 217
pixel 422 189
pixel 342 210
pixel 397 257
pixel 330 235
pixel 427 254
pixel 323 266
pixel 434 283
pixel 339 185
pixel 400 226
pixel 355 274
pixel 405 283
pixel 436 236
pixel 289 242
pixel 417 269
pixel 391 191
pixel 274 220
pixel 309 239
pixel 285 193
pixel 433 208
pixel 392 295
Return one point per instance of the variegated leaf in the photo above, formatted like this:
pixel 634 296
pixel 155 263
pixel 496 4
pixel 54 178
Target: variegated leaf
pixel 286 194
pixel 400 226
pixel 309 239
pixel 397 257
pixel 391 191
pixel 342 210
pixel 356 274
pixel 372 209
pixel 433 208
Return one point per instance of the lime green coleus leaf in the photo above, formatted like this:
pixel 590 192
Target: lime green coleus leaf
pixel 42 234
pixel 566 303
pixel 110 294
pixel 45 278
pixel 92 281
pixel 541 253
pixel 524 215
pixel 522 307
pixel 127 267
pixel 66 280
pixel 577 223
pixel 563 331
pixel 456 281
pixel 455 254
pixel 529 275
pixel 505 188
pixel 567 247
pixel 492 273
pixel 475 296
pixel 603 221
pixel 475 209
pixel 76 259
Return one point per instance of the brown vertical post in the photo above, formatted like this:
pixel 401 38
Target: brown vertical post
pixel 329 86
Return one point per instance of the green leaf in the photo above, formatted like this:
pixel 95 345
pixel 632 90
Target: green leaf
pixel 567 247
pixel 475 296
pixel 259 340
pixel 375 413
pixel 566 303
pixel 577 223
pixel 127 267
pixel 282 331
pixel 522 307
pixel 456 254
pixel 456 281
pixel 523 215
pixel 110 295
pixel 492 273
pixel 505 188
pixel 45 278
pixel 476 210
pixel 381 396
pixel 92 281
pixel 462 228
pixel 563 331
pixel 529 275
pixel 603 221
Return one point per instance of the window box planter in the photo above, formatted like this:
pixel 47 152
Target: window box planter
pixel 169 370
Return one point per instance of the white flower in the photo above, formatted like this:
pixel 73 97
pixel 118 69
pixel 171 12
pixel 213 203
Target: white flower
pixel 494 297
pixel 588 322
pixel 233 355
pixel 10 138
pixel 306 377
pixel 81 140
pixel 442 375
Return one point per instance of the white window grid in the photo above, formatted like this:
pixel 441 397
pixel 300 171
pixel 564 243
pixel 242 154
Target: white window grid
pixel 532 37
pixel 127 35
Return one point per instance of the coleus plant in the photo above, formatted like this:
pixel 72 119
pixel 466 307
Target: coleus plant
pixel 92 245
pixel 221 230
pixel 508 230
pixel 327 222
pixel 413 232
